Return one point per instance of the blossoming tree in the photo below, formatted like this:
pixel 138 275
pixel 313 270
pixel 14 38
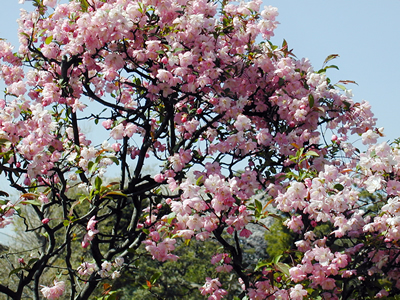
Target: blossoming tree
pixel 234 126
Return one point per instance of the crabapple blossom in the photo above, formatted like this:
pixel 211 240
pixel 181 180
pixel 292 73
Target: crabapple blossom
pixel 86 268
pixel 91 232
pixel 55 291
pixel 297 292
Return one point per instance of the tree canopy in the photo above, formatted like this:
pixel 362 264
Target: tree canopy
pixel 239 131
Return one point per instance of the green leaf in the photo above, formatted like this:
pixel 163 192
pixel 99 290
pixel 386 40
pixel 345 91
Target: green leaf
pixel 84 5
pixel 120 121
pixel 155 277
pixel 280 218
pixel 32 261
pixel 48 40
pixel 92 166
pixel 171 217
pixel 25 34
pixel 332 67
pixel 114 159
pixel 118 193
pixel 273 47
pixel 284 268
pixel 97 183
pixel 112 296
pixel 261 264
pixel 15 271
pixel 31 202
pixel 5 142
pixel 284 44
pixel 311 100
pixel 178 50
pixel 199 180
pixel 347 105
pixel 311 153
pixel 330 57
pixel 338 187
pixel 276 259
pixel 258 205
pixel 340 86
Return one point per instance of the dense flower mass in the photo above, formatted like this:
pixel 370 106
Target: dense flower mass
pixel 236 128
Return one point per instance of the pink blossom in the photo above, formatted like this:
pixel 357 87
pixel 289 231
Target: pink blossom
pixel 245 233
pixel 43 198
pixel 297 292
pixel 107 123
pixel 242 123
pixel 373 183
pixel 116 147
pixel 119 261
pixel 159 178
pixel 91 232
pixel 328 284
pixel 55 291
pixel 117 133
pixel 295 224
pixel 17 88
pixel 106 265
pixel 186 234
pixel 341 260
pixel 114 61
pixel 369 137
pixel 86 268
pixel 51 3
pixel 323 255
pixel 297 274
pixel 130 129
pixel 281 295
pixel 212 286
pixel 382 293
pixel 224 268
pixel 164 75
pixel 393 187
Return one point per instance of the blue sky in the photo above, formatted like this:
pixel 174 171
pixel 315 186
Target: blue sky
pixel 364 33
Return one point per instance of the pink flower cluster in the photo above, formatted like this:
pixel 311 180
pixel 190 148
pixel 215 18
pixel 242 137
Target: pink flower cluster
pixel 213 287
pixel 6 214
pixel 161 251
pixel 91 232
pixel 115 267
pixel 55 291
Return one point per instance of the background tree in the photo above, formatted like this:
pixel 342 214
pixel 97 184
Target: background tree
pixel 185 84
